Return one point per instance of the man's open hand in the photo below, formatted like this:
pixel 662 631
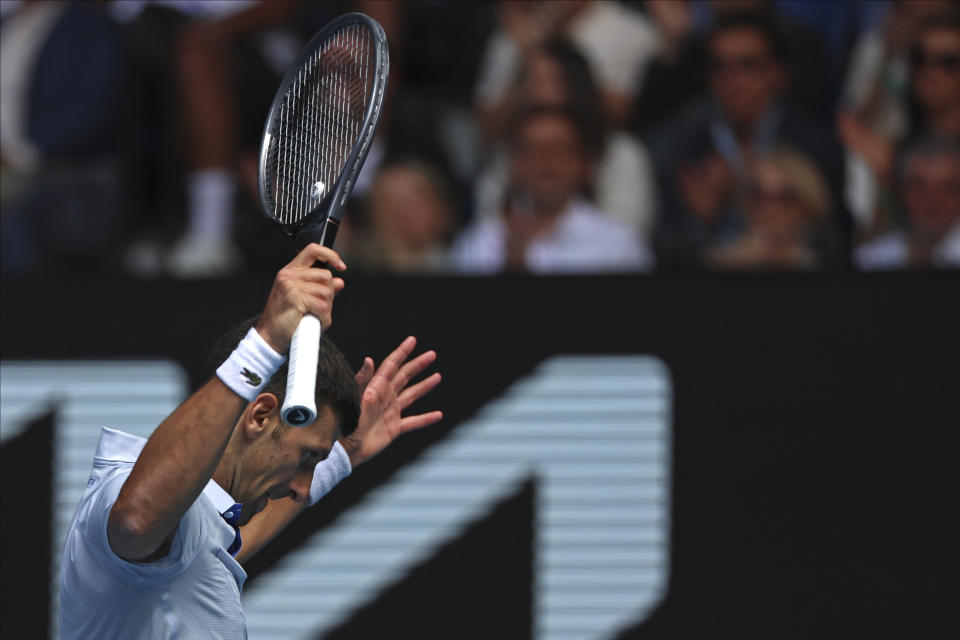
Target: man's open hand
pixel 385 395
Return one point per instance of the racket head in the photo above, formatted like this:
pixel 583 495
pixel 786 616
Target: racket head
pixel 320 128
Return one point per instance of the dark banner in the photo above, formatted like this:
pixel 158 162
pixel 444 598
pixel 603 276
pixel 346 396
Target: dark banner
pixel 813 431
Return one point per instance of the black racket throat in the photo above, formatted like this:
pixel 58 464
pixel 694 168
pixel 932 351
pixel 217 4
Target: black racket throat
pixel 324 233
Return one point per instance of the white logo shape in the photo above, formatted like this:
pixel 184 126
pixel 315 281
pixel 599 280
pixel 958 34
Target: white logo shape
pixel 594 431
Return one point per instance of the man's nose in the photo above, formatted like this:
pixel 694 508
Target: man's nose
pixel 300 486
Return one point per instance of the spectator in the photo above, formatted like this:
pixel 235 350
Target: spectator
pixel 901 83
pixel 676 76
pixel 935 60
pixel 545 225
pixel 706 163
pixel 928 180
pixel 878 77
pixel 557 75
pixel 786 203
pixel 617 41
pixel 410 219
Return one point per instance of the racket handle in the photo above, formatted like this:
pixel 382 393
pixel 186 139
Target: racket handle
pixel 300 405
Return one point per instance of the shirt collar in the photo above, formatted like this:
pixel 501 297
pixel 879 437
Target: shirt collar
pixel 763 136
pixel 118 446
pixel 222 501
pixel 947 252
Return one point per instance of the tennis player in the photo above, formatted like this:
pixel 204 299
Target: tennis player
pixel 155 546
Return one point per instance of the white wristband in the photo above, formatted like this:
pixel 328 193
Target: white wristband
pixel 249 367
pixel 329 472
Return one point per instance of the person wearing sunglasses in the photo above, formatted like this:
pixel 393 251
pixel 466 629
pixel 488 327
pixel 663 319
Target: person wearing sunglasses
pixel 935 63
pixel 916 94
pixel 785 202
pixel 749 115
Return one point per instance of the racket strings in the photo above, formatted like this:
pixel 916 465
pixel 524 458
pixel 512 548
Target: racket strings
pixel 320 119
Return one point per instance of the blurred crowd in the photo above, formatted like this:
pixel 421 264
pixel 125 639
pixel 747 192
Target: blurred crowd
pixel 541 136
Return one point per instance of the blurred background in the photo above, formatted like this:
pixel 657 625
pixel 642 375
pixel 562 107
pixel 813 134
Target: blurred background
pixel 718 135
pixel 674 201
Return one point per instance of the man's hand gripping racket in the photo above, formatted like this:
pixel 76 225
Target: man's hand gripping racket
pixel 318 132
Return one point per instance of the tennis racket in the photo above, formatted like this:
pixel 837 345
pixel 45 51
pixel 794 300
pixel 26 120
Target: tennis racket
pixel 318 132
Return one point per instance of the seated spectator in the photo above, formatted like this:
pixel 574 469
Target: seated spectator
pixel 617 41
pixel 557 75
pixel 545 225
pixel 935 59
pixel 676 75
pixel 410 218
pixel 928 183
pixel 706 162
pixel 786 204
pixel 903 82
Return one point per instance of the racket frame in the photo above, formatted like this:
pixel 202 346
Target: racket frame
pixel 321 223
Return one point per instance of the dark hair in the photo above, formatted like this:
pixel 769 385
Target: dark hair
pixel 946 19
pixel 759 23
pixel 427 170
pixel 928 145
pixel 531 112
pixel 583 92
pixel 336 385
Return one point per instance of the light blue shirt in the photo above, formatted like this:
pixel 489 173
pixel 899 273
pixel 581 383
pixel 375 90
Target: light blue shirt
pixel 192 592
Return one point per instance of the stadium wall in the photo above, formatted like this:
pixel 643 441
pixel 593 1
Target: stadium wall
pixel 812 429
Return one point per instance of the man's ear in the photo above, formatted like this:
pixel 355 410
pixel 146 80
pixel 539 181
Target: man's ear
pixel 260 415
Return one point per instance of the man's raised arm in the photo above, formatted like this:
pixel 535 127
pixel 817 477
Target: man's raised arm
pixel 183 453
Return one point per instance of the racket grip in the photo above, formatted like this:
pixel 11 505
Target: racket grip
pixel 300 406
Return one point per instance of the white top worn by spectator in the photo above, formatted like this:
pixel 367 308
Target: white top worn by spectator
pixel 619 44
pixel 193 590
pixel 892 251
pixel 583 240
pixel 623 183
